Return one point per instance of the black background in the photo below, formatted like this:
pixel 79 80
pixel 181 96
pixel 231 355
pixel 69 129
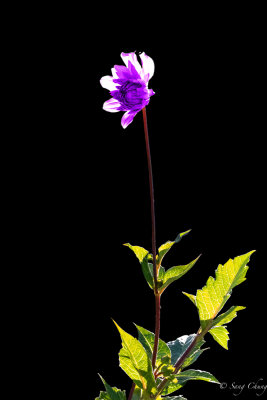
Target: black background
pixel 83 183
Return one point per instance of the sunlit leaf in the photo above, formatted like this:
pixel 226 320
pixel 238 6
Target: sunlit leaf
pixel 188 375
pixel 135 361
pixel 212 297
pixel 228 316
pixel 220 334
pixel 143 257
pixel 111 393
pixel 147 338
pixel 164 248
pixel 174 273
pixel 191 297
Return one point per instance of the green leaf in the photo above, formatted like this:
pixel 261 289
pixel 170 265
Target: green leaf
pixel 147 338
pixel 147 268
pixel 220 334
pixel 137 393
pixel 103 396
pixel 191 297
pixel 179 346
pixel 164 248
pixel 140 252
pixel 194 355
pixel 174 273
pixel 135 361
pixel 228 316
pixel 111 393
pixel 212 297
pixel 190 374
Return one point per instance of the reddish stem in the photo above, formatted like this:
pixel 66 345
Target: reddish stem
pixel 152 206
pixel 157 330
pixel 131 391
pixel 153 223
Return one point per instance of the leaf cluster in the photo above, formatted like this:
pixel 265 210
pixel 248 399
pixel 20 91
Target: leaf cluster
pixel 174 357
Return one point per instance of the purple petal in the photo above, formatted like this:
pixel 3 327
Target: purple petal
pixel 114 73
pixel 133 59
pixel 111 105
pixel 107 82
pixel 133 71
pixel 127 118
pixel 123 72
pixel 148 66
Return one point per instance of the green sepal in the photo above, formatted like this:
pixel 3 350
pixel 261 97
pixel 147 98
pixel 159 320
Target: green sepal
pixel 175 273
pixel 185 376
pixel 135 362
pixel 111 393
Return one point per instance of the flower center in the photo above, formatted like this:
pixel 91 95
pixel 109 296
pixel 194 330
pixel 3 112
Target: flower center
pixel 133 94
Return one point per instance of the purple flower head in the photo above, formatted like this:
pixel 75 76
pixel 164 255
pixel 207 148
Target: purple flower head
pixel 128 86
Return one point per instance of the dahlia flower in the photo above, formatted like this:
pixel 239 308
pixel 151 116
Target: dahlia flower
pixel 128 86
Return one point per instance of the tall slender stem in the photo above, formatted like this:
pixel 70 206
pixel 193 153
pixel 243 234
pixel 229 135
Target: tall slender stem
pixel 152 205
pixel 153 223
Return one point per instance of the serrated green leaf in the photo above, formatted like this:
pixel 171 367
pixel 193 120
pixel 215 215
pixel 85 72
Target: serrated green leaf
pixel 135 361
pixel 190 374
pixel 220 334
pixel 147 338
pixel 174 273
pixel 212 297
pixel 179 346
pixel 164 248
pixel 112 393
pixel 191 297
pixel 228 316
